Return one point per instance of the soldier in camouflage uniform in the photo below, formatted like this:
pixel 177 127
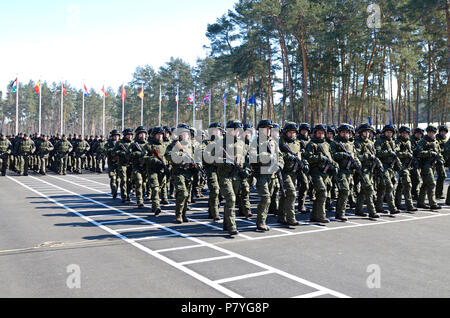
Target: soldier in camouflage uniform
pixel 5 151
pixel 365 151
pixel 441 138
pixel 211 170
pixel 113 162
pixel 321 165
pixel 24 149
pixel 165 187
pixel 447 164
pixel 181 154
pixel 138 155
pixel 157 169
pixel 427 152
pixel 81 148
pixel 231 169
pixel 274 200
pixel 405 154
pixel 386 152
pixel 266 161
pixel 293 163
pixel 302 182
pixel 44 148
pixel 415 171
pixel 343 152
pixel 100 154
pixel 63 149
pixel 121 151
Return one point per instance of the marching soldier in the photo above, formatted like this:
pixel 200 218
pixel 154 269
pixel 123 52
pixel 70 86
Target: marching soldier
pixel 164 190
pixel 113 162
pixel 343 152
pixel 157 169
pixel 80 150
pixel 100 154
pixel 293 163
pixel 274 200
pixel 5 152
pixel 405 154
pixel 232 168
pixel 386 152
pixel 441 138
pixel 427 152
pixel 365 151
pixel 63 149
pixel 267 163
pixel 322 166
pixel 415 172
pixel 180 153
pixel 24 149
pixel 303 184
pixel 121 151
pixel 137 155
pixel 45 147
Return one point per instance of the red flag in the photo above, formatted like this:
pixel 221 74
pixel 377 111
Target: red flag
pixel 103 90
pixel 123 93
pixel 64 90
pixel 37 88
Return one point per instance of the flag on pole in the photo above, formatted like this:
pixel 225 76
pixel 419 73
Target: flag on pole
pixel 64 90
pixel 141 94
pixel 224 98
pixel 13 85
pixel 252 100
pixel 176 97
pixel 370 121
pixel 238 99
pixel 192 97
pixel 37 88
pixel 85 90
pixel 123 93
pixel 207 97
pixel 104 91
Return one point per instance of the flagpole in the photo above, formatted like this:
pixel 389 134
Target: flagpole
pixel 104 114
pixel 210 97
pixel 82 116
pixel 123 107
pixel 62 105
pixel 40 110
pixel 160 101
pixel 178 98
pixel 254 113
pixel 224 110
pixel 142 107
pixel 193 112
pixel 17 106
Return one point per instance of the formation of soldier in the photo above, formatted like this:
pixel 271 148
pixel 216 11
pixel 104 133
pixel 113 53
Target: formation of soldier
pixel 336 168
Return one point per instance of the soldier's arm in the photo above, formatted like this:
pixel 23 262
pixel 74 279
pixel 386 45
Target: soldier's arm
pixel 402 153
pixel 420 151
pixel 380 152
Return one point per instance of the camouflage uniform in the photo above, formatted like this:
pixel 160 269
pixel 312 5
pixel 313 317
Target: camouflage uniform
pixel 120 150
pixel 5 151
pixel 113 164
pixel 138 156
pixel 44 149
pixel 440 168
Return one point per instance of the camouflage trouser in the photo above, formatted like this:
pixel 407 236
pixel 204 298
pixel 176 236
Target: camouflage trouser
pixel 43 163
pixel 441 176
pixel 229 189
pixel 428 186
pixel 139 177
pixel 386 189
pixel 113 173
pixel 4 162
pixel 320 183
pixel 23 163
pixel 214 189
pixel 345 180
pixel 243 198
pixel 366 192
pixel 404 188
pixel 303 188
pixel 415 180
pixel 78 163
pixel 100 163
pixel 156 181
pixel 164 192
pixel 265 186
pixel 287 204
pixel 183 188
pixel 274 200
pixel 125 181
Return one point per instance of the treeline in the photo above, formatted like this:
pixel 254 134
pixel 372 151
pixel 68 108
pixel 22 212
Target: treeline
pixel 307 61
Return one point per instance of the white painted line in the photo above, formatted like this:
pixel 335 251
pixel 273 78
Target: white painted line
pixel 117 221
pixel 204 260
pixel 179 248
pixel 143 248
pixel 312 295
pixel 232 279
pixel 152 237
pixel 217 248
pixel 103 215
pixel 138 228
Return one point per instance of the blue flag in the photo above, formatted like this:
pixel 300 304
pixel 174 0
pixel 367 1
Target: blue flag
pixel 238 99
pixel 252 100
pixel 370 121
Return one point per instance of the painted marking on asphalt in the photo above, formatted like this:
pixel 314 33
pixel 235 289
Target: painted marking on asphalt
pixel 204 260
pixel 173 263
pixel 235 278
pixel 312 295
pixel 179 248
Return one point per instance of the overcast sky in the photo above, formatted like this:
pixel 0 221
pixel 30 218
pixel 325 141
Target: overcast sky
pixel 100 41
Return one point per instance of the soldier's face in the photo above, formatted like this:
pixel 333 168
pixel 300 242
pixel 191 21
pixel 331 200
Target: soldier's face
pixel 266 131
pixel 304 132
pixel 330 135
pixel 345 134
pixel 292 134
pixel 431 134
pixel 443 133
pixel 389 134
pixel 365 134
pixel 116 137
pixel 159 137
pixel 128 137
pixel 320 134
pixel 142 136
pixel 405 135
pixel 419 135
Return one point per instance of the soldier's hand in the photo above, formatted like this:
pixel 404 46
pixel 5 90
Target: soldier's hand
pixel 433 154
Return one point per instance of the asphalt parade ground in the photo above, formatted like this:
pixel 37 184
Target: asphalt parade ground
pixel 65 236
